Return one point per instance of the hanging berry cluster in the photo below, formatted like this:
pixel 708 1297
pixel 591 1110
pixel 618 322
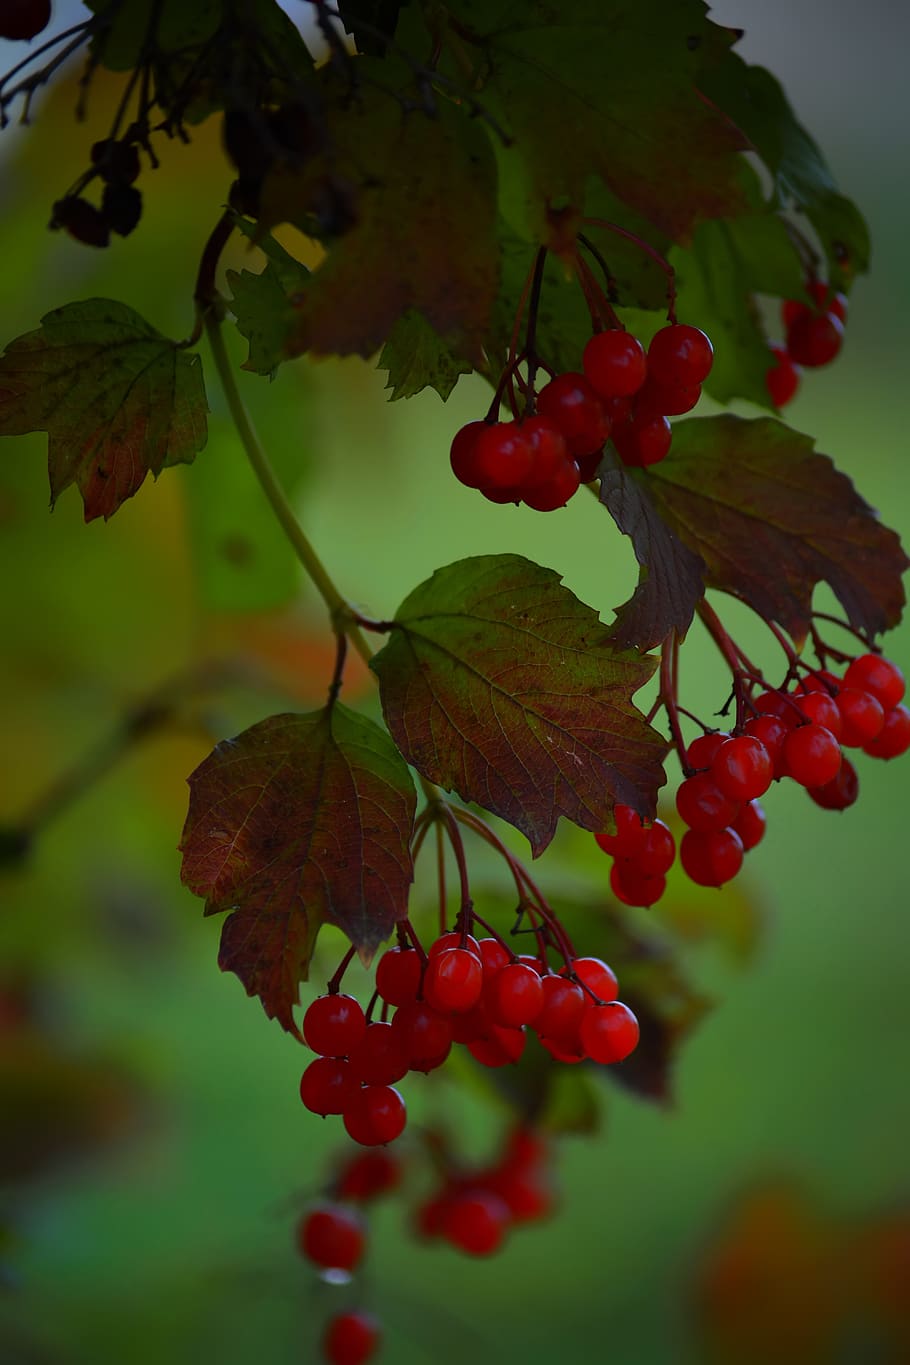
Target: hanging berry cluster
pixel 116 163
pixel 814 332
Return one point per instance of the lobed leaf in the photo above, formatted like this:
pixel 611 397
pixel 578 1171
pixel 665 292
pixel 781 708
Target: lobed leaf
pixel 499 684
pixel 417 358
pixel 117 400
pixel 301 820
pixel 263 305
pixel 771 518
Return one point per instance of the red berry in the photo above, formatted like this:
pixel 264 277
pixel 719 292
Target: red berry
pixel 494 956
pixel 563 1006
pixel 350 1338
pixel 503 458
pixel 822 709
pixel 332 1236
pixel 680 355
pixel 378 1058
pixel 549 450
pixel 777 704
pixel 894 739
pixel 570 402
pixel 711 859
pixel 631 886
pixel 333 1025
pixel 812 755
pixel 366 1175
pixel 455 939
pixel 503 1047
pixel 556 492
pixel 862 716
pixel 841 791
pixel 609 1033
pixel 703 806
pixel 424 1034
pixel 588 465
pixel 516 995
pixel 453 980
pixel 502 495
pixel 824 298
pixel 815 339
pixel 463 454
pixel 750 825
pixel 82 220
pixel 656 851
pixel 743 768
pixel 643 440
pixel 596 975
pixel 476 1222
pixel 376 1114
pixel 781 378
pixel 398 975
pixel 878 676
pixel 528 1194
pixel 615 363
pixel 771 731
pixel 701 751
pixel 23 19
pixel 328 1085
pixel 821 680
pixel 629 830
pixel 667 401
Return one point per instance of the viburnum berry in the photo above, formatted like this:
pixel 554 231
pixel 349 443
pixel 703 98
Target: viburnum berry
pixel 777 704
pixel 121 206
pixel 500 1047
pixel 588 465
pixel 894 739
pixel 750 825
pixel 609 1033
pixel 632 886
pixel 378 1058
pixel 841 791
pixel 656 850
pixel 398 974
pixel 503 458
pixel 879 677
pixel 700 753
pixel 596 975
pixel 862 717
pixel 516 995
pixel 556 492
pixel 815 339
pixel 644 439
pixel 571 402
pixel 771 731
pixel 494 956
pixel 116 162
pixel 711 859
pixel 680 355
pixel 629 830
pixel 350 1338
pixel 549 450
pixel 476 1222
pixel 824 298
pixel 333 1025
pixel 742 768
pixel 332 1236
pixel 367 1175
pixel 82 220
pixel 377 1114
pixel 564 1004
pixel 781 378
pixel 454 939
pixel 812 755
pixel 822 709
pixel 425 1035
pixel 667 401
pixel 703 806
pixel 328 1085
pixel 615 363
pixel 24 19
pixel 463 454
pixel 453 980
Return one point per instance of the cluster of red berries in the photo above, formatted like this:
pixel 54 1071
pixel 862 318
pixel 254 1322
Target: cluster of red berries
pixel 23 19
pixel 815 333
pixel 474 992
pixel 624 394
pixel 798 733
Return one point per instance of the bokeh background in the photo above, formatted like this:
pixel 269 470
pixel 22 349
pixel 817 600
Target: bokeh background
pixel 154 1151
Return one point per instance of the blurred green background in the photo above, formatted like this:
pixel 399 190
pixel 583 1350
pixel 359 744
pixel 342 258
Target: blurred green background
pixel 153 1221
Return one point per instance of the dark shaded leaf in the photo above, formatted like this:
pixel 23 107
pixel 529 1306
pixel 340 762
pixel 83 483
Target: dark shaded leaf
pixel 263 303
pixel 372 22
pixel 117 399
pixel 498 683
pixel 416 358
pixel 299 821
pixel 670 583
pixel 771 518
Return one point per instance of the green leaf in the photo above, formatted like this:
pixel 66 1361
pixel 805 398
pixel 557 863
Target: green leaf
pixel 117 399
pixel 671 582
pixel 571 82
pixel 756 102
pixel 770 518
pixel 416 358
pixel 498 683
pixel 412 201
pixel 263 303
pixel 301 820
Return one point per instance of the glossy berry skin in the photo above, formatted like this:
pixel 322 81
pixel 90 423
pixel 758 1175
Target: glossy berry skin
pixel 516 995
pixel 700 753
pixel 771 731
pixel 862 717
pixel 711 859
pixel 670 402
pixel 503 1047
pixel 332 1236
pixel 454 939
pixel 378 1058
pixel 703 806
pixel 629 830
pixel 644 440
pixel 463 454
pixel 615 363
pixel 822 709
pixel 894 739
pixel 879 677
pixel 398 974
pixel 549 450
pixel 812 755
pixel 631 886
pixel 328 1085
pixel 556 492
pixel 564 1005
pixel 424 1034
pixel 333 1025
pixel 494 956
pixel 782 377
pixel 596 975
pixel 824 299
pixel 24 19
pixel 571 402
pixel 350 1338
pixel 609 1033
pixel 453 981
pixel 750 825
pixel 376 1115
pixel 743 768
pixel 815 339
pixel 475 1222
pixel 841 792
pixel 680 355
pixel 503 457
pixel 588 465
pixel 656 851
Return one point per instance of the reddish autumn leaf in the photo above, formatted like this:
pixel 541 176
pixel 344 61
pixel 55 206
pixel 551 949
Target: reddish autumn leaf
pixel 771 518
pixel 117 400
pixel 299 821
pixel 499 684
pixel 670 582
